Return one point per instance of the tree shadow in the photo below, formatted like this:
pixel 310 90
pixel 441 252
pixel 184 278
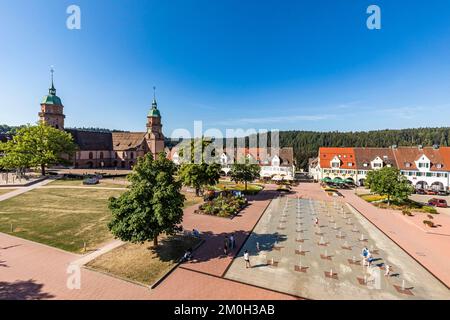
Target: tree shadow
pixel 22 290
pixel 263 195
pixel 213 246
pixel 3 264
pixel 172 248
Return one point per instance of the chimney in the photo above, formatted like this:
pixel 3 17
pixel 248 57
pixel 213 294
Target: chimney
pixel 420 147
pixel 435 146
pixel 394 146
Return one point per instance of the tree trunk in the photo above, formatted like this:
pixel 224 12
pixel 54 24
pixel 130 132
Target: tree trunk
pixel 197 192
pixel 43 169
pixel 155 241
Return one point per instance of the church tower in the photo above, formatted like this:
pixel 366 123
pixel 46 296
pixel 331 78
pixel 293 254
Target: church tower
pixel 154 136
pixel 52 108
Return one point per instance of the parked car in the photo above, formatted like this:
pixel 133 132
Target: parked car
pixel 443 193
pixel 420 191
pixel 91 181
pixel 441 203
pixel 431 192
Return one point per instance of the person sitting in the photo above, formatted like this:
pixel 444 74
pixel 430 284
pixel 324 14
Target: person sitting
pixel 187 255
pixel 195 233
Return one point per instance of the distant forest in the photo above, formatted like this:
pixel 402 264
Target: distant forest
pixel 306 144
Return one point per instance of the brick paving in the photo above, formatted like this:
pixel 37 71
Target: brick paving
pixel 40 272
pixel 31 270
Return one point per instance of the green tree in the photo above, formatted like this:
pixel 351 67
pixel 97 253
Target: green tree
pixel 245 172
pixel 199 175
pixel 389 182
pixel 153 204
pixel 37 146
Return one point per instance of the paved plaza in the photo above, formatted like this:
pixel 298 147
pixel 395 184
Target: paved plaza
pixel 324 260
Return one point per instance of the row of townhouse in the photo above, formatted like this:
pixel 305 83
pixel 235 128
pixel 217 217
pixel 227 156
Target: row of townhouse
pixel 424 167
pixel 277 164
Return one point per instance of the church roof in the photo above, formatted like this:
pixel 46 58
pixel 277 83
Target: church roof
pixel 127 140
pixel 52 99
pixel 88 140
pixel 154 112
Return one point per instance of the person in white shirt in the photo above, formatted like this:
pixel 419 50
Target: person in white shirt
pixel 388 270
pixel 247 259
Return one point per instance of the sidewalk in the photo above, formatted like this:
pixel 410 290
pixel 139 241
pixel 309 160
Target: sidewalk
pixel 21 190
pixel 35 271
pixel 429 249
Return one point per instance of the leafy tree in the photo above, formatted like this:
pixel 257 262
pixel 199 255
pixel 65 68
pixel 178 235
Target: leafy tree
pixel 245 172
pixel 196 149
pixel 199 175
pixel 389 182
pixel 37 146
pixel 153 204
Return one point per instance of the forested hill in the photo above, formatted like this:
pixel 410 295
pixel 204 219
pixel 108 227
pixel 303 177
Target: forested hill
pixel 306 143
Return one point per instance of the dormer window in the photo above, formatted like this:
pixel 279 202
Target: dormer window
pixel 407 164
pixel 423 163
pixel 439 165
pixel 350 164
pixel 335 163
pixel 377 163
pixel 365 164
pixel 276 161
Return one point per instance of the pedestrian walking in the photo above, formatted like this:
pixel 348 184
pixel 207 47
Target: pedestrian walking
pixel 388 270
pixel 247 259
pixel 257 247
pixel 232 241
pixel 316 221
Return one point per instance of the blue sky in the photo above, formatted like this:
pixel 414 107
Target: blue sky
pixel 306 65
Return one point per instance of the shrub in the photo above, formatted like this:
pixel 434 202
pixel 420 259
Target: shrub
pixel 373 197
pixel 406 212
pixel 223 206
pixel 430 210
pixel 428 223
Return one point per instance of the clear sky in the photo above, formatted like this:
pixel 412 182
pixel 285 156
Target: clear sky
pixel 274 64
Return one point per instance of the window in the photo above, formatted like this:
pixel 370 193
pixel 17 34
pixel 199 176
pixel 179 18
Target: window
pixel 101 155
pixel 350 164
pixel 132 155
pixel 424 165
pixel 91 155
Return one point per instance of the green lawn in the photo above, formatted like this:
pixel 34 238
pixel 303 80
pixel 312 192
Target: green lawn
pixel 405 205
pixel 107 183
pixel 63 218
pixel 141 262
pixel 229 185
pixel 3 191
pixel 191 199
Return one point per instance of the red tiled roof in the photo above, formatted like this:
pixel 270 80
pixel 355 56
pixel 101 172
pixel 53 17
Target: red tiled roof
pixel 367 155
pixel 346 155
pixel 445 153
pixel 409 155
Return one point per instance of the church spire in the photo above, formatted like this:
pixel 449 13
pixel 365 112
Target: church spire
pixel 52 90
pixel 154 104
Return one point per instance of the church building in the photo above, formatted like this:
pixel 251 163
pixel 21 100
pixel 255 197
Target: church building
pixel 106 149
